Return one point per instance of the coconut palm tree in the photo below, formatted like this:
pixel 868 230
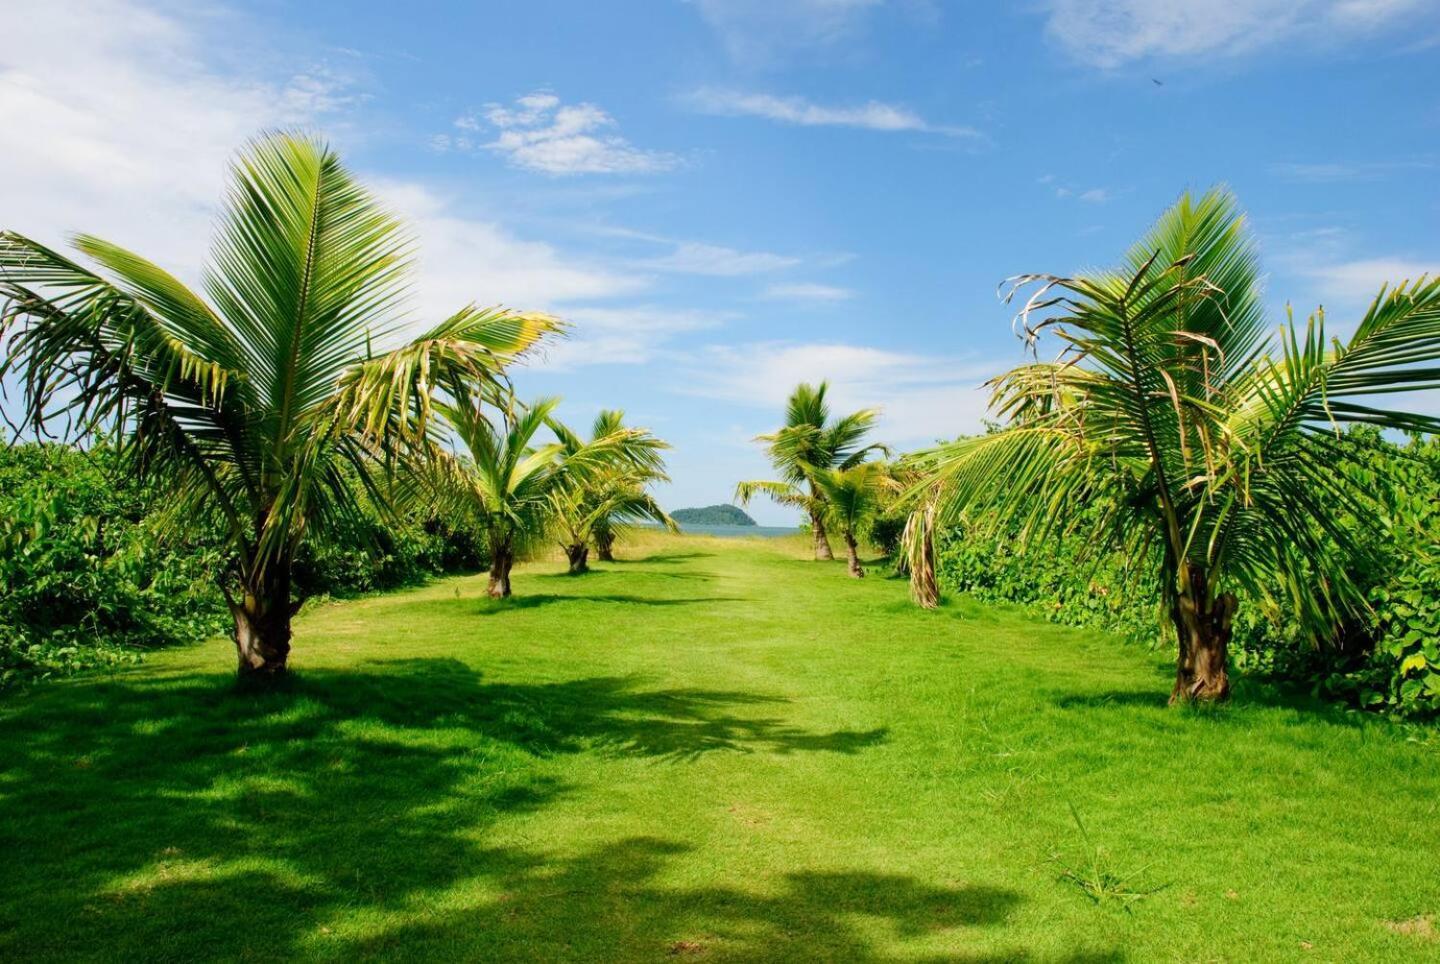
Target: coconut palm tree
pixel 808 441
pixel 595 507
pixel 1210 447
pixel 510 481
pixel 852 496
pixel 595 512
pixel 248 399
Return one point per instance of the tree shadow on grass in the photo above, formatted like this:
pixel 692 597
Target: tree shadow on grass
pixel 599 572
pixel 1245 693
pixel 499 607
pixel 184 819
pixel 664 558
pixel 612 903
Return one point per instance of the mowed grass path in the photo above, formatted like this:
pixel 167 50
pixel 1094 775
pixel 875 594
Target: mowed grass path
pixel 721 751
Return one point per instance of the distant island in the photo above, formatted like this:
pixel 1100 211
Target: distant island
pixel 713 515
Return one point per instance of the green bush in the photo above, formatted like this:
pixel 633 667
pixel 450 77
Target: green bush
pixel 87 584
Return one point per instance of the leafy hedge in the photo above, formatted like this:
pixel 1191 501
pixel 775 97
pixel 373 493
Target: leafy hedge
pixel 1390 661
pixel 87 583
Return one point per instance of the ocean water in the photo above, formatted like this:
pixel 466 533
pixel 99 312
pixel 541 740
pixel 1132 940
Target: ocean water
pixel 766 531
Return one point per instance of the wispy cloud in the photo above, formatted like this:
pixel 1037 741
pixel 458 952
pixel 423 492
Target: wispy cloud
pixel 1326 173
pixel 922 397
pixel 1109 33
pixel 1325 267
pixel 86 82
pixel 872 115
pixel 1355 283
pixel 697 257
pixel 807 292
pixel 756 31
pixel 1093 195
pixel 461 260
pixel 623 335
pixel 540 133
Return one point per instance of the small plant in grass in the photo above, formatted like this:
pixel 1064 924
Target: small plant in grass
pixel 1096 876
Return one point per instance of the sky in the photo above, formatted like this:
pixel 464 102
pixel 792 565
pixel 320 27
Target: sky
pixel 727 197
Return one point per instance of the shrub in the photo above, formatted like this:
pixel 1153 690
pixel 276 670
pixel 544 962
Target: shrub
pixel 87 583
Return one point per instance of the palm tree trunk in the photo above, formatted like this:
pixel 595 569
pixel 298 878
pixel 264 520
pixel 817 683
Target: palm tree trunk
pixel 579 556
pixel 604 547
pixel 262 613
pixel 502 557
pixel 1203 626
pixel 852 556
pixel 822 541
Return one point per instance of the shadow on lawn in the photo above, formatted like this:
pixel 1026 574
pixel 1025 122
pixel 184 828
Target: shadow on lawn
pixel 599 572
pixel 496 607
pixel 183 819
pixel 1245 692
pixel 609 903
pixel 664 558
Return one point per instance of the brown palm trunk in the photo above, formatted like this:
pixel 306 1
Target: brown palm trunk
pixel 579 556
pixel 852 556
pixel 1203 625
pixel 822 541
pixel 262 613
pixel 502 557
pixel 604 547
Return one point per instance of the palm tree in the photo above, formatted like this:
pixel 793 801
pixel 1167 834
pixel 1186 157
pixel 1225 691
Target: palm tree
pixel 808 441
pixel 852 496
pixel 1209 447
pixel 594 507
pixel 248 402
pixel 509 482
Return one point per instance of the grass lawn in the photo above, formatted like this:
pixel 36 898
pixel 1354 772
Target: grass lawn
pixel 719 751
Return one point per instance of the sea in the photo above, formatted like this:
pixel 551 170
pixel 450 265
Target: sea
pixel 768 532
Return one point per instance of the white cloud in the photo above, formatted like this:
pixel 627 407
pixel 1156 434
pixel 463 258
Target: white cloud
pixel 540 133
pixel 922 398
pixel 1094 195
pixel 128 135
pixel 1352 284
pixel 124 135
pixel 460 260
pixel 1109 33
pixel 1326 265
pixel 697 257
pixel 756 31
pixel 623 335
pixel 1329 172
pixel 807 292
pixel 872 115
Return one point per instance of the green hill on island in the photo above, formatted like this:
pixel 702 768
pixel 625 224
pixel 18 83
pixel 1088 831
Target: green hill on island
pixel 713 515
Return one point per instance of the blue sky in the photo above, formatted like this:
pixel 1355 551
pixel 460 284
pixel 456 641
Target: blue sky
pixel 728 196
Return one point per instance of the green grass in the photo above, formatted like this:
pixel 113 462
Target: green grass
pixel 722 752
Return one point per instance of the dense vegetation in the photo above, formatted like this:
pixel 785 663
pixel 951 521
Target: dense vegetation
pixel 713 515
pixel 95 576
